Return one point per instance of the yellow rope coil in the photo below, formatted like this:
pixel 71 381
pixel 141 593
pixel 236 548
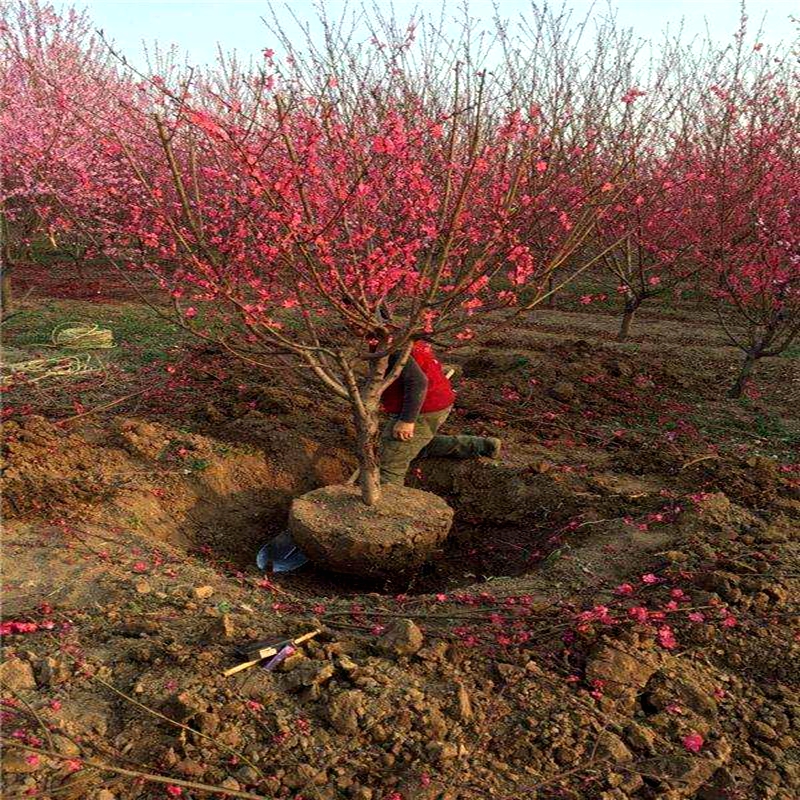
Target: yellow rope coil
pixel 38 369
pixel 78 336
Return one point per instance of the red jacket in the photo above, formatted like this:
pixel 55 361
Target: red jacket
pixel 440 394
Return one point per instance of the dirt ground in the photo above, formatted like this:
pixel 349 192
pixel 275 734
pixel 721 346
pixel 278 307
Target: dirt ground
pixel 614 614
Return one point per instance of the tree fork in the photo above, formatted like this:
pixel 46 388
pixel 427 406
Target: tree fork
pixel 749 362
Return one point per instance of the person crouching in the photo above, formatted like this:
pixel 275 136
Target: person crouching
pixel 418 403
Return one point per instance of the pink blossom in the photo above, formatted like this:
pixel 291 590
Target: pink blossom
pixel 139 566
pixel 666 638
pixel 693 742
pixel 697 616
pixel 624 590
pixel 174 791
pixel 639 614
pixel 649 579
pixel 18 627
pixel 631 95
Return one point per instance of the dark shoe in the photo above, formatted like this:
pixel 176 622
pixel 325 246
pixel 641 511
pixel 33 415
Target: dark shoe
pixel 493 445
pixel 281 554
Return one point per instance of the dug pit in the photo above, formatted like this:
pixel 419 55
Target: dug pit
pixel 228 498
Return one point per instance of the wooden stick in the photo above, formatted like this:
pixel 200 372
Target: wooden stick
pixel 32 711
pixel 104 406
pixel 698 460
pixel 271 651
pixel 148 776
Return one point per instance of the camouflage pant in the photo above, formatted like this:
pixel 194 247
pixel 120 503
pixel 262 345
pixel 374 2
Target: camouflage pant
pixel 397 455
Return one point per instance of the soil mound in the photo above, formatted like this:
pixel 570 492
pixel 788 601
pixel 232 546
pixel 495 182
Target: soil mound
pixel 174 486
pixel 397 535
pixel 41 462
pixel 753 481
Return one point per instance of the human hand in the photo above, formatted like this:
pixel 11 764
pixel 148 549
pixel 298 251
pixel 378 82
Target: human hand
pixel 403 431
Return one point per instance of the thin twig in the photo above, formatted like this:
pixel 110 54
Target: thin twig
pixel 32 711
pixel 148 776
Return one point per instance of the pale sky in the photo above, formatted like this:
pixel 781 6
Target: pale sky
pixel 196 26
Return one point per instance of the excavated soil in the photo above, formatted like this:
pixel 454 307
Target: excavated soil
pixel 614 614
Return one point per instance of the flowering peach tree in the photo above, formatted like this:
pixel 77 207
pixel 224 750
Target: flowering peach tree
pixel 335 240
pixel 51 64
pixel 329 209
pixel 746 210
pixel 650 222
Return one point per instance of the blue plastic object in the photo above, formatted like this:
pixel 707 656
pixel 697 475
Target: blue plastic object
pixel 281 554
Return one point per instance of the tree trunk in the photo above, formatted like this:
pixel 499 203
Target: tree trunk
pixel 6 295
pixel 747 368
pixel 551 300
pixel 627 318
pixel 698 292
pixel 369 478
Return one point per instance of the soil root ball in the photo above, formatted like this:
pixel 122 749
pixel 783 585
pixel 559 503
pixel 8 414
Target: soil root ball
pixel 338 531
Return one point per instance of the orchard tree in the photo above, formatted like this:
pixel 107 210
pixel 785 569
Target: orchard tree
pixel 651 222
pixel 753 247
pixel 637 110
pixel 288 209
pixel 52 65
pixel 284 231
pixel 746 209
